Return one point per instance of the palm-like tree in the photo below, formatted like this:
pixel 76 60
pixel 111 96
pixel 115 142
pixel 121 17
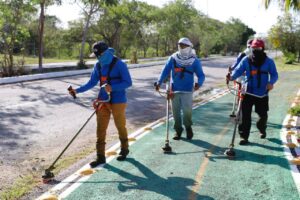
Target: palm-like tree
pixel 287 4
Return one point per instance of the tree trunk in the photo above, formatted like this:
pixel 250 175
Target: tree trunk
pixel 10 63
pixel 157 46
pixel 84 34
pixel 41 35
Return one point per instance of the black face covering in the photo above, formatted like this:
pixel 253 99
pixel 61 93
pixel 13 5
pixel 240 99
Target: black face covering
pixel 258 57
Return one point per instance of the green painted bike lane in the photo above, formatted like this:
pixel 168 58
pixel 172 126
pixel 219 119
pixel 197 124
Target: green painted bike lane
pixel 198 169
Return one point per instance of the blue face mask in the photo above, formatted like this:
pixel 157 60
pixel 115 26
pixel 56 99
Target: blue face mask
pixel 105 58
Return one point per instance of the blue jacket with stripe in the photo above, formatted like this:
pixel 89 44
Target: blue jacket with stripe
pixel 182 76
pixel 120 81
pixel 257 78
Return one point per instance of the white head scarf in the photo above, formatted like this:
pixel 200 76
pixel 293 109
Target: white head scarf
pixel 185 57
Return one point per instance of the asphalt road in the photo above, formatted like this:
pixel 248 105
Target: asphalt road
pixel 38 118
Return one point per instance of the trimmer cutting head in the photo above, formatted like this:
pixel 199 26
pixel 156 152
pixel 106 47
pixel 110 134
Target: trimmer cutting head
pixel 167 148
pixel 230 153
pixel 48 176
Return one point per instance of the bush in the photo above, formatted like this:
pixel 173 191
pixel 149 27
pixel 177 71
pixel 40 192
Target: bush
pixel 289 58
pixel 295 111
pixel 17 70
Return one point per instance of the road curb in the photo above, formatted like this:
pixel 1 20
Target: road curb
pixel 290 136
pixel 17 79
pixel 34 77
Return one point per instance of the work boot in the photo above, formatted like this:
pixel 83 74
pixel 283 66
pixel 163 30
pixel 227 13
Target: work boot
pixel 100 160
pixel 123 154
pixel 189 133
pixel 263 135
pixel 244 142
pixel 177 136
pixel 178 133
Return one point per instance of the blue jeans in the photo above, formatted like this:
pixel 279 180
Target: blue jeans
pixel 182 102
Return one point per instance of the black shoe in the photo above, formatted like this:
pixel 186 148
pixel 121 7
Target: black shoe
pixel 123 154
pixel 100 160
pixel 263 135
pixel 244 142
pixel 189 133
pixel 177 136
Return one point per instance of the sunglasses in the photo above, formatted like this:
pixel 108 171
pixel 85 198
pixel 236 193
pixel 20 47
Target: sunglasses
pixel 182 46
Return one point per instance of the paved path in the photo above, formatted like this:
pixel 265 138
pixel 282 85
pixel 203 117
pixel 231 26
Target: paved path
pixel 198 169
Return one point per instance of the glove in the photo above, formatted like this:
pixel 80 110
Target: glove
pixel 196 87
pixel 72 92
pixel 156 85
pixel 96 104
pixel 170 95
pixel 228 78
pixel 270 87
pixel 108 88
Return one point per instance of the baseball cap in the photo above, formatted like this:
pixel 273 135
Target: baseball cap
pixel 99 48
pixel 257 43
pixel 185 41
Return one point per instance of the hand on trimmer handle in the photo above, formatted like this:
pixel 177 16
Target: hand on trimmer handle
pixel 228 78
pixel 72 92
pixel 156 85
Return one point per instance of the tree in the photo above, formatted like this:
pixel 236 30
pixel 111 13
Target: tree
pixel 14 15
pixel 175 21
pixel 43 4
pixel 89 8
pixel 235 35
pixel 286 4
pixel 285 36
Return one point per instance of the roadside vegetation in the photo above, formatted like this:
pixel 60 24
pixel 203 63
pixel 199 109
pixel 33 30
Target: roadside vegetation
pixel 295 111
pixel 27 182
pixel 281 64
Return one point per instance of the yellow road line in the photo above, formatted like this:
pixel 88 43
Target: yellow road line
pixel 200 173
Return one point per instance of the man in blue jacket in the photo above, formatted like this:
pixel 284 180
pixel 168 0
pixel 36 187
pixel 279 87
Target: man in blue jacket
pixel 113 73
pixel 182 66
pixel 261 75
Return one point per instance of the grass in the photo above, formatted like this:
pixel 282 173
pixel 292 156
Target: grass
pixel 35 60
pixel 21 186
pixel 281 66
pixel 24 185
pixel 295 111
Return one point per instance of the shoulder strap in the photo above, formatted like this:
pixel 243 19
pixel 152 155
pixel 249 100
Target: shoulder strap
pixel 98 67
pixel 250 71
pixel 111 65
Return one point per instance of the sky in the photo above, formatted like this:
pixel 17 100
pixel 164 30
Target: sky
pixel 250 12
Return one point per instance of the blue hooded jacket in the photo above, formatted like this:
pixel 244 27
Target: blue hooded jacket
pixel 183 81
pixel 268 74
pixel 120 79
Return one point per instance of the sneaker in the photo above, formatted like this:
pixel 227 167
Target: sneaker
pixel 244 142
pixel 189 133
pixel 263 135
pixel 100 160
pixel 123 154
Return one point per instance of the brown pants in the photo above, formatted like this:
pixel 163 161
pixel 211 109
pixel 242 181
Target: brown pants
pixel 103 116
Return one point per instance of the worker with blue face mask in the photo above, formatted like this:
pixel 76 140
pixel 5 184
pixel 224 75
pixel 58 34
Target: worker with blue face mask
pixel 181 67
pixel 114 78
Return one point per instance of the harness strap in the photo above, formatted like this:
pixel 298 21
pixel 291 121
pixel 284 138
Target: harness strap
pixel 180 70
pixel 257 72
pixel 107 78
pixel 111 65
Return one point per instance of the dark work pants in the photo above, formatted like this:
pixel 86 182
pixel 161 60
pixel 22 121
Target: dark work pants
pixel 261 108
